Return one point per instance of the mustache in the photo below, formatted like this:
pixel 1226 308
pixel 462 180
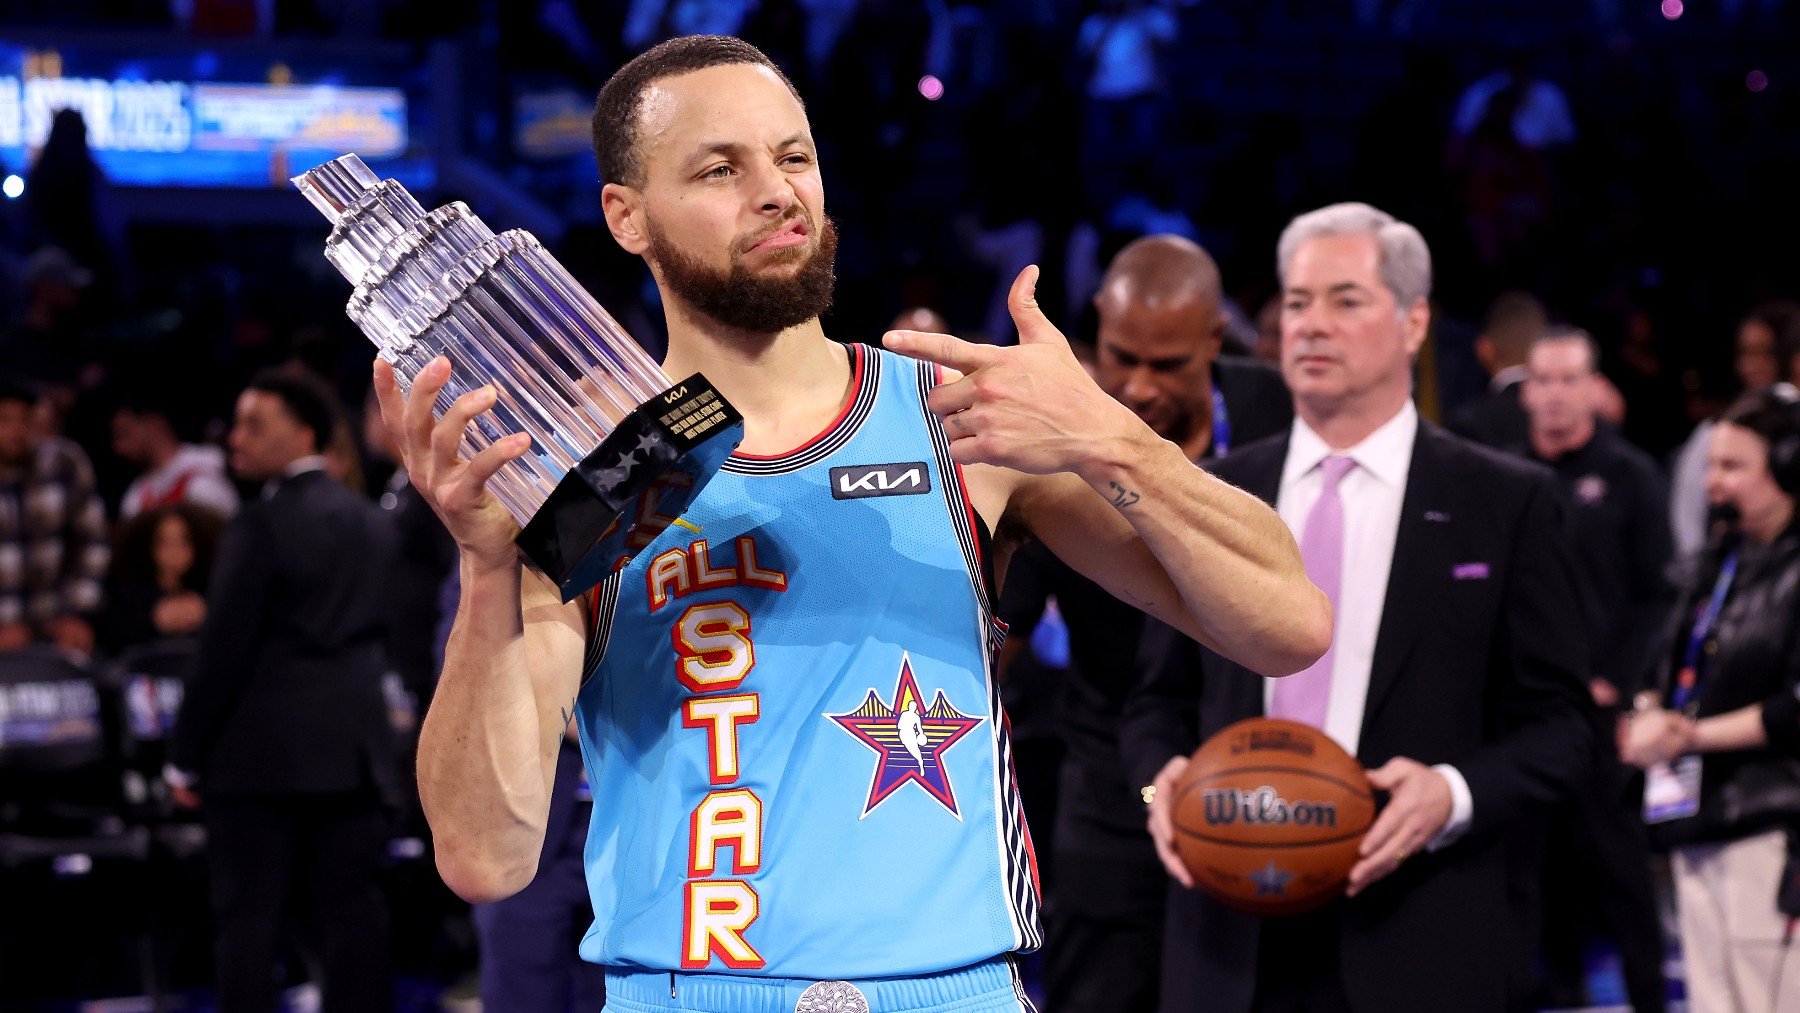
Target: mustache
pixel 798 214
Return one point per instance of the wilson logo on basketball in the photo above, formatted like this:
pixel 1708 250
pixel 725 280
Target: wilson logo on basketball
pixel 1264 806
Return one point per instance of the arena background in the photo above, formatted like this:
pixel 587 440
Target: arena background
pixel 1649 199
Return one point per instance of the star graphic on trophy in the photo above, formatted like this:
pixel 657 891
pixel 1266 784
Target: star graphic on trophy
pixel 645 444
pixel 1271 880
pixel 908 739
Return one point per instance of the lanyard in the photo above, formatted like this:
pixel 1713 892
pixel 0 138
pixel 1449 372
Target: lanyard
pixel 1221 425
pixel 1687 682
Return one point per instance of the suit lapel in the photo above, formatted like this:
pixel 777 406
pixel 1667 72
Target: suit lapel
pixel 1427 510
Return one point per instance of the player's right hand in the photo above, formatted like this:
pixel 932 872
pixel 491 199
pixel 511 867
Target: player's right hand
pixel 455 489
pixel 1162 820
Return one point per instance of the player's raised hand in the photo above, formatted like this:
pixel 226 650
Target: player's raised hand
pixel 1029 407
pixel 455 489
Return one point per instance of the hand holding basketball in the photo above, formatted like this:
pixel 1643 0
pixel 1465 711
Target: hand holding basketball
pixel 1419 804
pixel 1267 816
pixel 1162 821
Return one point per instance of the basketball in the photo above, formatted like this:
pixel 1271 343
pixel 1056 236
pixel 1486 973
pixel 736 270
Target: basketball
pixel 1269 814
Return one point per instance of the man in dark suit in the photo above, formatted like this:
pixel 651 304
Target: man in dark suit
pixel 1157 351
pixel 283 731
pixel 1457 671
pixel 1496 419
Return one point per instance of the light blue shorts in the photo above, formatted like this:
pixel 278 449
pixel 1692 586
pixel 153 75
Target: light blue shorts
pixel 989 987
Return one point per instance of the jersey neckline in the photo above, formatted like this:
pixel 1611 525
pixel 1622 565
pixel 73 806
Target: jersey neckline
pixel 865 367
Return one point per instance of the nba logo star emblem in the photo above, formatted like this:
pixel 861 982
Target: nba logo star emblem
pixel 909 739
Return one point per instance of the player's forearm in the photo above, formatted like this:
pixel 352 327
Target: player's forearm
pixel 1243 587
pixel 481 773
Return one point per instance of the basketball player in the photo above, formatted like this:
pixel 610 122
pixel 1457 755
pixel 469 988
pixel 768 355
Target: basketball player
pixel 767 833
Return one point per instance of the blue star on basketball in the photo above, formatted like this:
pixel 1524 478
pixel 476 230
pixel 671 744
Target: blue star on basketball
pixel 1271 880
pixel 909 739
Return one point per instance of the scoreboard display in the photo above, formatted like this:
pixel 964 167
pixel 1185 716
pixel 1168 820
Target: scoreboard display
pixel 207 119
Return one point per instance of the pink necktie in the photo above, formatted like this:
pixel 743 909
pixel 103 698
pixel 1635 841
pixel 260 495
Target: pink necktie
pixel 1304 695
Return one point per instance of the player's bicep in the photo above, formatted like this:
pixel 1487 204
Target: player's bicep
pixel 1087 533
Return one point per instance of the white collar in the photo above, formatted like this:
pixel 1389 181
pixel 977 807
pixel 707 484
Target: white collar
pixel 1509 376
pixel 311 462
pixel 295 468
pixel 1385 453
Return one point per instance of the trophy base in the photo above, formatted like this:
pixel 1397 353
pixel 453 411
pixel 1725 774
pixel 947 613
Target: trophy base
pixel 637 482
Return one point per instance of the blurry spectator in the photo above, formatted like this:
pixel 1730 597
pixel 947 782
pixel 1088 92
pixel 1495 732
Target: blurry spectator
pixel 529 941
pixel 1718 736
pixel 53 550
pixel 52 339
pixel 71 203
pixel 161 563
pixel 1614 503
pixel 1161 316
pixel 1123 42
pixel 1615 499
pixel 426 555
pixel 343 457
pixel 1538 115
pixel 1497 420
pixel 1763 337
pixel 173 472
pixel 284 730
pixel 1506 193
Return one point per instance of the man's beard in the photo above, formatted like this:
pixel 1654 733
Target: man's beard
pixel 747 301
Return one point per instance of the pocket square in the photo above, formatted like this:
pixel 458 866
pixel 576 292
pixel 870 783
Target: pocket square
pixel 1469 571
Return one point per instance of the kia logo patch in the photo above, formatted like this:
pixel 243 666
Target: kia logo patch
pixel 861 481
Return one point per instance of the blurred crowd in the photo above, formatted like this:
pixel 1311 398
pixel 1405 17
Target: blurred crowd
pixel 1609 228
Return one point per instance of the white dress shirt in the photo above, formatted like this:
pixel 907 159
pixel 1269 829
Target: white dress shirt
pixel 1372 493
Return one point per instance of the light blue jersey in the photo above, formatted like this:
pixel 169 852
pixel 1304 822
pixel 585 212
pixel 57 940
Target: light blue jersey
pixel 799 761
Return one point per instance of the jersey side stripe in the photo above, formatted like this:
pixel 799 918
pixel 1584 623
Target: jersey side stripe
pixel 955 496
pixel 605 603
pixel 1016 860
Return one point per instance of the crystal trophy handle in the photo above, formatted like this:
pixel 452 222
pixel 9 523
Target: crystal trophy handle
pixel 617 450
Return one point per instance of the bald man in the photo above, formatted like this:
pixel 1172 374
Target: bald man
pixel 1157 352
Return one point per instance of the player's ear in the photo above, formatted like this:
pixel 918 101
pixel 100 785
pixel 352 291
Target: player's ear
pixel 623 207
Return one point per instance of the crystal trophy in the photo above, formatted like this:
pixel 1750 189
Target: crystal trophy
pixel 617 450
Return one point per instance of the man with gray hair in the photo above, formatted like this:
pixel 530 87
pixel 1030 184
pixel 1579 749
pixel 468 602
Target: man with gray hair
pixel 1457 672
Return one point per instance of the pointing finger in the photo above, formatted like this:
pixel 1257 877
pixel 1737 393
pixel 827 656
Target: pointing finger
pixel 943 349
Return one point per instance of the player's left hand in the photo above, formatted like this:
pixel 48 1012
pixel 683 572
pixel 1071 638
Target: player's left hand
pixel 1030 407
pixel 1419 804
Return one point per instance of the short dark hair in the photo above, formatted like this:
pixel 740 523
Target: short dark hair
pixel 1565 332
pixel 621 99
pixel 311 403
